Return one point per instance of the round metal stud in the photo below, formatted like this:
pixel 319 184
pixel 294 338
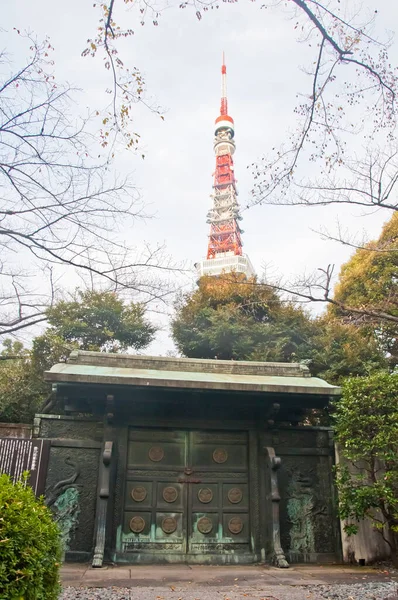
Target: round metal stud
pixel 205 525
pixel 156 453
pixel 137 524
pixel 139 493
pixel 170 494
pixel 169 524
pixel 205 495
pixel 235 495
pixel 220 455
pixel 235 525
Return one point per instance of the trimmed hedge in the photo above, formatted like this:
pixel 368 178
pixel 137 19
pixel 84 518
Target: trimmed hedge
pixel 30 550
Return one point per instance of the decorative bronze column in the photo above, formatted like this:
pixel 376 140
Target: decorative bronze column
pixel 278 557
pixel 106 468
pixel 102 505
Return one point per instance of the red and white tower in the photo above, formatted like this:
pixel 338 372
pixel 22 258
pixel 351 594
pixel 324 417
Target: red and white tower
pixel 224 252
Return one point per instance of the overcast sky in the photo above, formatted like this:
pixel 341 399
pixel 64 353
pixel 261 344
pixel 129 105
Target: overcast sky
pixel 181 60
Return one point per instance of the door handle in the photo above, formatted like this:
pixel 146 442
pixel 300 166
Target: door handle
pixel 190 480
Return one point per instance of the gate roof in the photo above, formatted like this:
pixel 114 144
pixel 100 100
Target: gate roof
pixel 97 368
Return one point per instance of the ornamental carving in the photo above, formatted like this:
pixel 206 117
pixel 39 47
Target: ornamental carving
pixel 137 524
pixel 235 495
pixel 205 525
pixel 220 455
pixel 170 494
pixel 169 524
pixel 235 525
pixel 309 528
pixel 205 495
pixel 139 493
pixel 156 453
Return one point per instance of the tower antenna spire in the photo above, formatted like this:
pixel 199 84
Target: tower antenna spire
pixel 224 101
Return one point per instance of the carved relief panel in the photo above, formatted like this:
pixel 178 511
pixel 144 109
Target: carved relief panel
pixel 307 512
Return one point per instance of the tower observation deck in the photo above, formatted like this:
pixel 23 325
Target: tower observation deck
pixel 224 253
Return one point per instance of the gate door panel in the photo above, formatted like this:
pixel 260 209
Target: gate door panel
pixel 218 511
pixel 187 493
pixel 155 500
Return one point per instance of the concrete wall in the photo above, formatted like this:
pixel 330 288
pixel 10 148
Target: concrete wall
pixel 15 430
pixel 368 543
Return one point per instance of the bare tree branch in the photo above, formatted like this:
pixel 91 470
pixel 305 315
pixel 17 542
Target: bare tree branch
pixel 59 206
pixel 326 37
pixel 318 288
pixel 353 91
pixel 344 46
pixel 369 181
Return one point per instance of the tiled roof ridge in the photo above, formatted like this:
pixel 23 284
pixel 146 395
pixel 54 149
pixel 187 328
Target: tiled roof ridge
pixel 164 363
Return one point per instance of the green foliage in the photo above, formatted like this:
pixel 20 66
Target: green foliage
pixel 29 545
pixel 366 425
pixel 369 277
pixel 341 350
pixel 231 318
pixel 49 349
pixel 91 321
pixel 100 321
pixel 22 387
pixel 368 282
pixel 21 390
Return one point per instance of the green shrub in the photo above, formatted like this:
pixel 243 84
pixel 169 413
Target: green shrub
pixel 366 427
pixel 29 545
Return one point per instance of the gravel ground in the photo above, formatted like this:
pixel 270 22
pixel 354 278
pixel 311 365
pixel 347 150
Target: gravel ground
pixel 359 591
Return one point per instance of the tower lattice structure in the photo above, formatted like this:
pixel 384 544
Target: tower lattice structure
pixel 224 251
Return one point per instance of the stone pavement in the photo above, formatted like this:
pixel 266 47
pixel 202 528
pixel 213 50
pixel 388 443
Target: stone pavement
pixel 194 576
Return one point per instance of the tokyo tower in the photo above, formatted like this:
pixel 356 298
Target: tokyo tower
pixel 224 253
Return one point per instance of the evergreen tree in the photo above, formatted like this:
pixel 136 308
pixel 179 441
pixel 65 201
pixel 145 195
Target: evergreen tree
pixel 101 321
pixel 229 317
pixel 90 321
pixel 366 426
pixel 368 284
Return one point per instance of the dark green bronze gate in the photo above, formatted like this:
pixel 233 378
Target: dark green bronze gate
pixel 187 496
